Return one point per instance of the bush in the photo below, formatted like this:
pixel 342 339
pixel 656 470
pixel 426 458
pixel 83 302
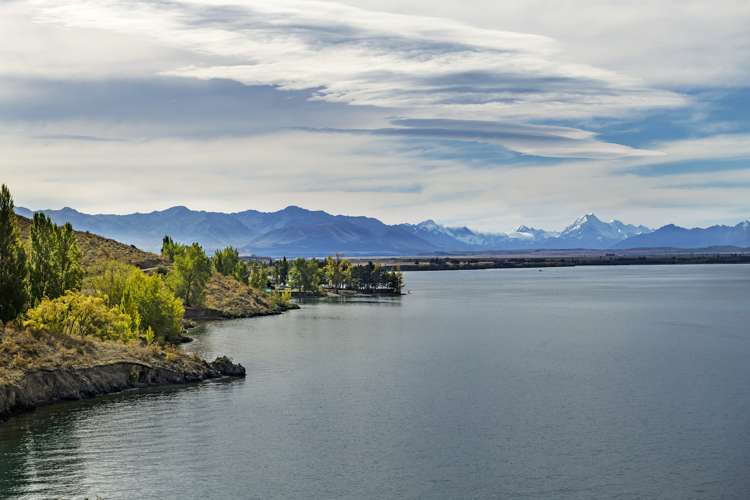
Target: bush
pixel 110 281
pixel 82 315
pixel 146 298
pixel 153 303
pixel 282 298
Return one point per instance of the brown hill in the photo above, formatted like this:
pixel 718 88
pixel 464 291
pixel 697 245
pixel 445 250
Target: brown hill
pixel 228 298
pixel 96 249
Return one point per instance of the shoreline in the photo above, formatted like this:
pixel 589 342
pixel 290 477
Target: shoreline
pixel 559 260
pixel 47 386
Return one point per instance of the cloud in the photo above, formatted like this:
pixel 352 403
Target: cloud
pixel 672 43
pixel 347 173
pixel 709 154
pixel 532 140
pixel 434 68
pixel 125 105
pixel 138 108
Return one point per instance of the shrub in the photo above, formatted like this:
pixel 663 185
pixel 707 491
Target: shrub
pixel 153 303
pixel 82 315
pixel 110 281
pixel 146 298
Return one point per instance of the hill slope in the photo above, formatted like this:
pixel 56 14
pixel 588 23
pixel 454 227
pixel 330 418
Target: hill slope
pixel 96 249
pixel 225 297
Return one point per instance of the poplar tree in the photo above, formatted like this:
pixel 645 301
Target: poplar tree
pixel 55 259
pixel 13 270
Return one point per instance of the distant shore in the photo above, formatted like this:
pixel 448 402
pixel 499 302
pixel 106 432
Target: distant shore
pixel 563 258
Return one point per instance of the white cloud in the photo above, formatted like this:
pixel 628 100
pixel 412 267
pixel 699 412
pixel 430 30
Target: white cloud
pixel 430 67
pixel 80 70
pixel 665 42
pixel 353 176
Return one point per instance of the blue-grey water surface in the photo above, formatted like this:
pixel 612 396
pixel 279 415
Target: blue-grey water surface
pixel 571 383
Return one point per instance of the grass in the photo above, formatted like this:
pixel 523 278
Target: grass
pixel 233 299
pixel 24 350
pixel 96 250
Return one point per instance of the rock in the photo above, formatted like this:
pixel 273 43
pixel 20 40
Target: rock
pixel 224 366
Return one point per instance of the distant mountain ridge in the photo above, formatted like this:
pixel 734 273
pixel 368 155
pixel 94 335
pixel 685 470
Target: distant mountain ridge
pixel 297 231
pixel 679 237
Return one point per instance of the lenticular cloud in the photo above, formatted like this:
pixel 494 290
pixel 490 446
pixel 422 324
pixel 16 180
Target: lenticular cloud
pixel 429 68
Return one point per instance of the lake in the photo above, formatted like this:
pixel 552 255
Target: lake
pixel 569 383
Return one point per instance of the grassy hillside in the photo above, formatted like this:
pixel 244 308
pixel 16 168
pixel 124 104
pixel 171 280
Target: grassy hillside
pixel 26 351
pixel 225 296
pixel 228 298
pixel 97 249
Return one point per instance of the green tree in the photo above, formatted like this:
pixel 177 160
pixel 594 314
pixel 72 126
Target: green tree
pixel 258 276
pixel 42 274
pixel 110 280
pixel 153 306
pixel 396 280
pixel 68 258
pixel 226 261
pixel 145 298
pixel 168 248
pixel 14 291
pixel 55 264
pixel 241 272
pixel 338 272
pixel 304 275
pixel 189 274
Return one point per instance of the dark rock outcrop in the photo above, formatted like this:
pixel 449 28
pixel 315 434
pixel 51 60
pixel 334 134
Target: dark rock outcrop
pixel 41 387
pixel 224 366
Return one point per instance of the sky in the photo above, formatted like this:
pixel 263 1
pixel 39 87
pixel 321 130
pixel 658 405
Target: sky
pixel 474 112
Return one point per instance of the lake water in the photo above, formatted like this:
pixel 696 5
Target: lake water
pixel 571 383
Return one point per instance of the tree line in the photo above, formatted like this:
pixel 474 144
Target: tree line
pixel 308 276
pixel 281 276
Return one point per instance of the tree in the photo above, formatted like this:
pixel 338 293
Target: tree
pixel 110 281
pixel 225 261
pixel 377 276
pixel 396 280
pixel 258 276
pixel 42 274
pixel 304 275
pixel 68 258
pixel 168 248
pixel 241 272
pixel 338 272
pixel 14 291
pixel 189 274
pixel 55 259
pixel 152 305
pixel 283 271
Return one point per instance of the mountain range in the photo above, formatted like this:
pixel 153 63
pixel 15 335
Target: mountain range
pixel 296 231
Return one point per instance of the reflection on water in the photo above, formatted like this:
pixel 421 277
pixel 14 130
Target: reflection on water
pixel 571 383
pixel 77 448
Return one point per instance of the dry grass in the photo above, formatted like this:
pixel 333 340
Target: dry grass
pixel 22 351
pixel 96 249
pixel 233 299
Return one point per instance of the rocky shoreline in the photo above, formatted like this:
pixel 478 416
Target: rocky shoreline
pixel 46 386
